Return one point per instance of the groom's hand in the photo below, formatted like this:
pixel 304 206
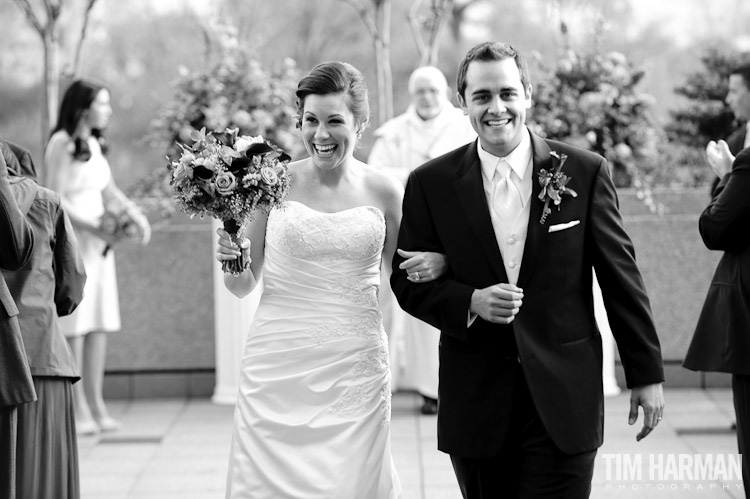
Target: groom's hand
pixel 651 398
pixel 499 303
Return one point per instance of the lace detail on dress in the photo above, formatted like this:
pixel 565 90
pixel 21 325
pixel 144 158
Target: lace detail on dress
pixel 385 396
pixel 365 326
pixel 371 365
pixel 367 368
pixel 353 400
pixel 325 237
pixel 357 290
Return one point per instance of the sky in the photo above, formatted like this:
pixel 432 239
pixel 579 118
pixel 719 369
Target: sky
pixel 683 20
pixel 688 20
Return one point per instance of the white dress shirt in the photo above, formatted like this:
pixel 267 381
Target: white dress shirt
pixel 511 238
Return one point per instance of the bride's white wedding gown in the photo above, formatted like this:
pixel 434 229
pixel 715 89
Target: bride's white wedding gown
pixel 313 411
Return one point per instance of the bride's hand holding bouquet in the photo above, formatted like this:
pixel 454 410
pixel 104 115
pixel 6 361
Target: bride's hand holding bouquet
pixel 228 177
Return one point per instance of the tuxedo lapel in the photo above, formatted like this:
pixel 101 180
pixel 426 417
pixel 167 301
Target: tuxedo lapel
pixel 736 141
pixel 535 236
pixel 470 190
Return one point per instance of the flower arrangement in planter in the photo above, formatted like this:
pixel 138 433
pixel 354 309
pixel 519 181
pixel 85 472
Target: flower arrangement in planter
pixel 591 100
pixel 232 91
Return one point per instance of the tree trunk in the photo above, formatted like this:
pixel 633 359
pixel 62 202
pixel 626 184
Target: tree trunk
pixel 442 10
pixel 380 74
pixel 385 49
pixel 378 22
pixel 79 46
pixel 51 89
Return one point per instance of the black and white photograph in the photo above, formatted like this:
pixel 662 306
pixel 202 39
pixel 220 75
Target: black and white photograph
pixel 374 249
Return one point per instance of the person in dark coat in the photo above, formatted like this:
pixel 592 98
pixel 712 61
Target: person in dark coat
pixel 50 285
pixel 721 342
pixel 16 385
pixel 721 154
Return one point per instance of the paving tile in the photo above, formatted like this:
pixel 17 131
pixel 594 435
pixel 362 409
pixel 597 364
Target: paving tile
pixel 411 492
pixel 178 448
pixel 206 480
pixel 119 453
pixel 182 494
pixel 442 492
pixel 112 485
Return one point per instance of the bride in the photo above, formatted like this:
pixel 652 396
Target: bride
pixel 313 412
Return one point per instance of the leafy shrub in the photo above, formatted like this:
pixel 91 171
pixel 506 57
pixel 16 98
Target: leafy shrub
pixel 591 100
pixel 232 90
pixel 706 116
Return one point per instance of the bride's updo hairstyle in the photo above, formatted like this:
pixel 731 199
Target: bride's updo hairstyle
pixel 336 78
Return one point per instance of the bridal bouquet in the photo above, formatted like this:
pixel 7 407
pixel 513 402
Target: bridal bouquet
pixel 228 176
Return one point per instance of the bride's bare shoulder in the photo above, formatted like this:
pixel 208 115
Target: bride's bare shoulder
pixel 384 185
pixel 298 169
pixel 298 165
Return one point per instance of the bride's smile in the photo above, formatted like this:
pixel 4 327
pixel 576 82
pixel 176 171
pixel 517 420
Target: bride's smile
pixel 329 130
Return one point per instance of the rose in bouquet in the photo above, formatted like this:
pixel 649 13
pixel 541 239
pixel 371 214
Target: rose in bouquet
pixel 120 225
pixel 229 176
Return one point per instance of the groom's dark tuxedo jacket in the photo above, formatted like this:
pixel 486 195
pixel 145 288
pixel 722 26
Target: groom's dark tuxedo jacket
pixel 554 336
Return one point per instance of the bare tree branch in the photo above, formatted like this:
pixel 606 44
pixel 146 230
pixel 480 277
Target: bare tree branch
pixel 416 29
pixel 457 15
pixel 79 45
pixel 366 15
pixel 53 10
pixel 47 31
pixel 384 46
pixel 433 24
pixel 376 14
pixel 25 5
pixel 441 13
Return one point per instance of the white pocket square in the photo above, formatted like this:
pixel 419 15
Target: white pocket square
pixel 559 227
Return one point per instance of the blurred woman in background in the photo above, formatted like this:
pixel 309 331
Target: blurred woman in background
pixel 77 168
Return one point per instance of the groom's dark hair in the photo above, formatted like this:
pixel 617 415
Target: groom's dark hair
pixel 491 51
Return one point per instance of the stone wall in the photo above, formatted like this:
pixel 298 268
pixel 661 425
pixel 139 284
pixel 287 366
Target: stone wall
pixel 677 269
pixel 167 346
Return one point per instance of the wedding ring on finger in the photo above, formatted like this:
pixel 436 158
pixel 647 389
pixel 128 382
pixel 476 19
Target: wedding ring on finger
pixel 416 276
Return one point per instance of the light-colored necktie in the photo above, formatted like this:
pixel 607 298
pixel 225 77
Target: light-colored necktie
pixel 506 200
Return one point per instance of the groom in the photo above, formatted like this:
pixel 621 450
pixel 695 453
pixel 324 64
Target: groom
pixel 520 406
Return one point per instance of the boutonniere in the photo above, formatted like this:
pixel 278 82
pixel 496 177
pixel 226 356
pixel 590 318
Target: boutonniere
pixel 554 184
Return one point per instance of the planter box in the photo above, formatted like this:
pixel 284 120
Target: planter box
pixel 677 269
pixel 166 346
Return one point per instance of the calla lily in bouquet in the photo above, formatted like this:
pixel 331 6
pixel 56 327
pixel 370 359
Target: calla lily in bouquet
pixel 229 176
